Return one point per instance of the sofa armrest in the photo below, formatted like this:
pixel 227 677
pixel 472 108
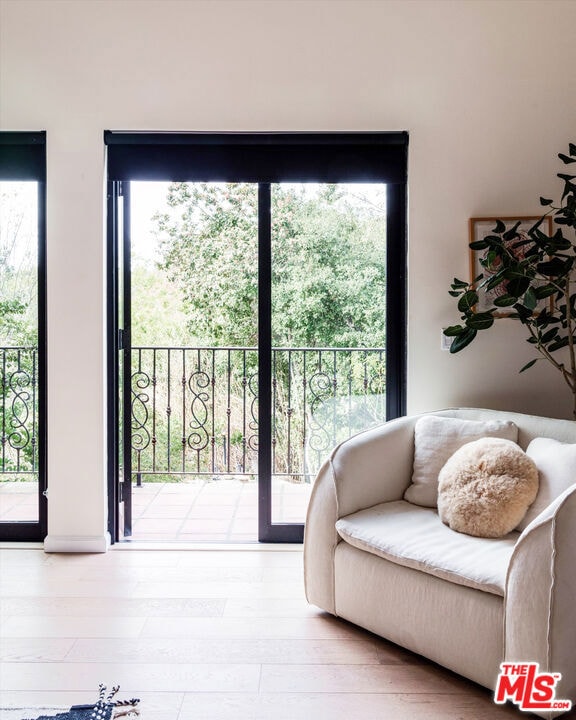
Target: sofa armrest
pixel 540 601
pixel 365 470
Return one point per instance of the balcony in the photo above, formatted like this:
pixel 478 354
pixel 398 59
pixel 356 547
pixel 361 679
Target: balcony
pixel 194 432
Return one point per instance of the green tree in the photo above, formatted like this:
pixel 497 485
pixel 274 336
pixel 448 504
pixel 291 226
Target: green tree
pixel 328 270
pixel 209 248
pixel 18 325
pixel 18 273
pixel 328 285
pixel 14 329
pixel 158 317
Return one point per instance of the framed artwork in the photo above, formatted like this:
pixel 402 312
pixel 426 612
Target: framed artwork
pixel 479 228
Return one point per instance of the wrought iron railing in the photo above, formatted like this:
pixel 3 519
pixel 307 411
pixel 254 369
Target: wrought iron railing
pixel 18 411
pixel 194 411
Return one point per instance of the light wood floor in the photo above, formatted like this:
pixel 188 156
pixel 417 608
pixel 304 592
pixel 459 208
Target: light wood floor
pixel 206 635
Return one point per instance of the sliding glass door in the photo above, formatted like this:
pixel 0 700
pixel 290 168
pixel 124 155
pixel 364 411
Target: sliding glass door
pixel 22 346
pixel 328 321
pixel 275 341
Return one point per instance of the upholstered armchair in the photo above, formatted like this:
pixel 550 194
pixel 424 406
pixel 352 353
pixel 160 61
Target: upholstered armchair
pixel 467 603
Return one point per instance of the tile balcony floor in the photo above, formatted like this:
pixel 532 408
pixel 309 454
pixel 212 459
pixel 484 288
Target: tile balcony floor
pixel 18 501
pixel 216 511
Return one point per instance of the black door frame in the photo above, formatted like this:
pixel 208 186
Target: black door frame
pixel 23 157
pixel 118 304
pixel 261 158
pixel 112 349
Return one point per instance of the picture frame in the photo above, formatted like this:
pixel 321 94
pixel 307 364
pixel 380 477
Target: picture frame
pixel 479 228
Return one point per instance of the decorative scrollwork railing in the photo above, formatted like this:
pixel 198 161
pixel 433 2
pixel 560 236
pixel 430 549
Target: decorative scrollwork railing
pixel 195 410
pixel 18 411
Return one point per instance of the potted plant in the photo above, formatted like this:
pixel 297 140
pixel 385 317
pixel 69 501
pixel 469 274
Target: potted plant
pixel 520 270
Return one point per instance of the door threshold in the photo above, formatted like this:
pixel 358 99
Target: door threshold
pixel 17 545
pixel 210 547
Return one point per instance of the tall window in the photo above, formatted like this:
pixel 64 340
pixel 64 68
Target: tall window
pixel 285 330
pixel 22 336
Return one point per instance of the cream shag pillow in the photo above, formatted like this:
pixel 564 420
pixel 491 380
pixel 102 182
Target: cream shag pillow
pixel 486 487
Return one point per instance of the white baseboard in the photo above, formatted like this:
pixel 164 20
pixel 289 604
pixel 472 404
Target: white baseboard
pixel 76 544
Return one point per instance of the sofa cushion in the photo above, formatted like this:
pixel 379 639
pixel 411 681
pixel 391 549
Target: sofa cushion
pixel 486 487
pixel 556 463
pixel 415 537
pixel 436 439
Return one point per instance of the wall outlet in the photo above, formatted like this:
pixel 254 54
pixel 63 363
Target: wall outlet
pixel 445 342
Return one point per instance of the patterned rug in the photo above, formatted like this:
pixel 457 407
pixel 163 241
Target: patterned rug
pixel 106 708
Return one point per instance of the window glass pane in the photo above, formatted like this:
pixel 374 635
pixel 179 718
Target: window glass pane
pixel 194 387
pixel 328 327
pixel 19 351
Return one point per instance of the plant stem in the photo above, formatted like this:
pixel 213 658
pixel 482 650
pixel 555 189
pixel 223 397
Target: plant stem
pixel 568 377
pixel 570 330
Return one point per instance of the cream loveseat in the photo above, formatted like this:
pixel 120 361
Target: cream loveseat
pixel 467 603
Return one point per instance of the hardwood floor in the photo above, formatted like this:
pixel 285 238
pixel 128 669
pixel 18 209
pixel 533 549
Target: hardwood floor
pixel 206 635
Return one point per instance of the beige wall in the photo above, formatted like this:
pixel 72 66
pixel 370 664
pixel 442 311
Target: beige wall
pixel 485 88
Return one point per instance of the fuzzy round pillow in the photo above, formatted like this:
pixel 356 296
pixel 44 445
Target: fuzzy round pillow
pixel 486 487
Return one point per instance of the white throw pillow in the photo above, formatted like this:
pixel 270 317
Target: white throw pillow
pixel 437 438
pixel 556 463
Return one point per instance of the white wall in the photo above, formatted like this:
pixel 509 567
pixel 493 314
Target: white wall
pixel 486 89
